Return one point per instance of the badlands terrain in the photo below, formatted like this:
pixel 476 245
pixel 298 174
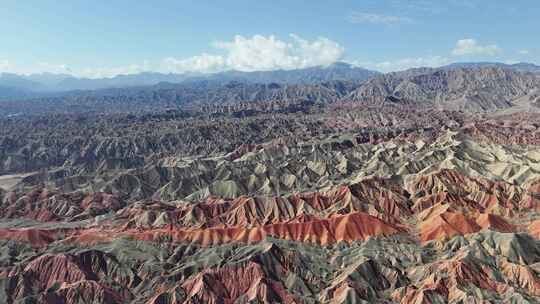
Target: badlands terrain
pixel 330 185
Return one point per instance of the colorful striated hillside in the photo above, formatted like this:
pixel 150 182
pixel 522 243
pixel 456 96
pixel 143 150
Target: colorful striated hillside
pixel 446 211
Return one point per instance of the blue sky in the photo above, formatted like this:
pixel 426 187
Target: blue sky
pixel 103 38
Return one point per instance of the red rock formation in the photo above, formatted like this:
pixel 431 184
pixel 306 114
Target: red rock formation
pixel 494 222
pixel 470 194
pixel 442 223
pixel 534 229
pixel 87 277
pixel 381 198
pixel 345 228
pixel 446 225
pixel 35 237
pixel 243 284
pixel 48 270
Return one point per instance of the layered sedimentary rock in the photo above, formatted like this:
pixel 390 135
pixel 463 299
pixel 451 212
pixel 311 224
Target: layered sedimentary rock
pixel 357 205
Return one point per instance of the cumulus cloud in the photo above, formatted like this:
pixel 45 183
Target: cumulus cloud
pixel 472 47
pixel 363 17
pixel 321 51
pixel 269 53
pixel 263 53
pixel 260 53
pixel 256 53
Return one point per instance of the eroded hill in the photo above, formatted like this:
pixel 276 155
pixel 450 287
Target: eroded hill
pixel 354 204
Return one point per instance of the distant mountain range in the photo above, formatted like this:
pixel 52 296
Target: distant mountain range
pixel 14 86
pixel 47 82
pixel 476 88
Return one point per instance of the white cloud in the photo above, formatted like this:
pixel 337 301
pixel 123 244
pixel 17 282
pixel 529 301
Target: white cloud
pixel 254 53
pixel 260 53
pixel 471 47
pixel 321 51
pixel 269 53
pixel 406 63
pixel 203 63
pixel 361 17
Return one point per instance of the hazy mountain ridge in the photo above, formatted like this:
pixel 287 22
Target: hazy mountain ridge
pixel 50 82
pixel 47 82
pixel 472 89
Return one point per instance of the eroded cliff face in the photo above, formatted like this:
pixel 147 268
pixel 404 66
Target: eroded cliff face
pixel 354 206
